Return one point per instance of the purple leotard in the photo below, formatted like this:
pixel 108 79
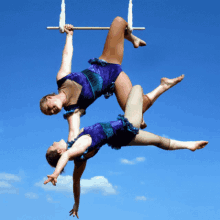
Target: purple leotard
pixel 114 133
pixel 97 80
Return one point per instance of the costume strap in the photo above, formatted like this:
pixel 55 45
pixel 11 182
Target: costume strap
pixel 70 143
pixel 71 109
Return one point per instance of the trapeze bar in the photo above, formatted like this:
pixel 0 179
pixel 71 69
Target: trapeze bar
pixel 93 28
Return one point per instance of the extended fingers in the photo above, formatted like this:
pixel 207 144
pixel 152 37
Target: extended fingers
pixel 74 213
pixel 46 181
pixel 51 179
pixel 54 182
pixel 71 212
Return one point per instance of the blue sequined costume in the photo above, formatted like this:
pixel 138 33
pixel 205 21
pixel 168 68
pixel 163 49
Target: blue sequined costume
pixel 114 133
pixel 97 80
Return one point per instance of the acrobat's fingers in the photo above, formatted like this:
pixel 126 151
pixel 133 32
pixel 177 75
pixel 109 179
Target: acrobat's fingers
pixel 47 181
pixel 54 182
pixel 74 213
pixel 68 28
pixel 51 179
pixel 77 215
pixel 71 211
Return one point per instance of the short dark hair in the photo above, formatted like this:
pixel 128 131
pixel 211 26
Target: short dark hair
pixel 52 158
pixel 43 102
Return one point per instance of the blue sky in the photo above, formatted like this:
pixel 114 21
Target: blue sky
pixel 135 182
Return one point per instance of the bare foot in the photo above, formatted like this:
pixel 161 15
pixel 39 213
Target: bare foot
pixel 168 83
pixel 138 42
pixel 190 145
pixel 195 145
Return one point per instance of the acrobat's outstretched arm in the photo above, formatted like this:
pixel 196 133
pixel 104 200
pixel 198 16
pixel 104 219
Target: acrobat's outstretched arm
pixel 77 149
pixel 65 68
pixel 77 173
pixel 74 124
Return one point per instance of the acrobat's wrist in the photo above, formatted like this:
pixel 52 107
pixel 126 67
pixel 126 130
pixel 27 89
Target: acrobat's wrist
pixel 56 174
pixel 76 205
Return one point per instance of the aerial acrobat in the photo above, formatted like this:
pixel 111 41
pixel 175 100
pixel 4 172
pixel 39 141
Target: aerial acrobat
pixel 123 132
pixel 77 91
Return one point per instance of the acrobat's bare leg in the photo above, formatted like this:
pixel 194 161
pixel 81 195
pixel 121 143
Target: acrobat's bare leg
pixel 165 84
pixel 123 87
pixel 147 138
pixel 134 106
pixel 113 51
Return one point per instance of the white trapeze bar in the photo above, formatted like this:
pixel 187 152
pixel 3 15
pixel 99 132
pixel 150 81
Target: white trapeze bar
pixel 63 20
pixel 93 28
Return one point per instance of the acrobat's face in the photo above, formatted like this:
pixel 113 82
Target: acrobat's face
pixel 60 146
pixel 52 106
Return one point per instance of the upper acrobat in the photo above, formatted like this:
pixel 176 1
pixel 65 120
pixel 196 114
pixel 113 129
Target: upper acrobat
pixel 78 90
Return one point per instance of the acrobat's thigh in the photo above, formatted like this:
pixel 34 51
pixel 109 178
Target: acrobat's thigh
pixel 134 105
pixel 123 88
pixel 114 45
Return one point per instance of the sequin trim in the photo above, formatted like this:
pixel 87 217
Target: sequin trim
pixel 127 126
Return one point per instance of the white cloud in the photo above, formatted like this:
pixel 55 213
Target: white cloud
pixel 95 184
pixel 141 198
pixel 140 159
pixel 4 184
pixel 31 195
pixel 64 184
pixel 9 177
pixel 134 161
pixel 125 161
pixel 6 181
pixel 50 199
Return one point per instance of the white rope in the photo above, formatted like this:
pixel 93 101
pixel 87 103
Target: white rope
pixel 130 16
pixel 63 21
pixel 62 17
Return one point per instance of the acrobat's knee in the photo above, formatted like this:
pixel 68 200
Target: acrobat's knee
pixel 119 22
